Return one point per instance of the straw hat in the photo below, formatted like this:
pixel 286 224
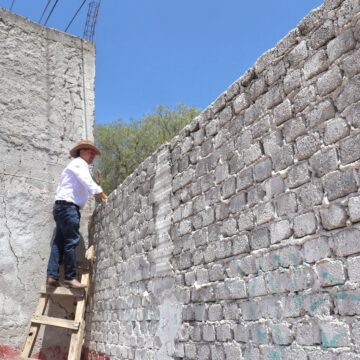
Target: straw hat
pixel 84 144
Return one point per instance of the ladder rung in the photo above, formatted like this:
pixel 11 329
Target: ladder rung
pixel 63 323
pixel 62 291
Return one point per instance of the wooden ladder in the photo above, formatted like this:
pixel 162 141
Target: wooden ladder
pixel 77 326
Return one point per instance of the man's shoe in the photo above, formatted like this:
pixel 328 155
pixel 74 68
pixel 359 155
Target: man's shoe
pixel 74 283
pixel 52 282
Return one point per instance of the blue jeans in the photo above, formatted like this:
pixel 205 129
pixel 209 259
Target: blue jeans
pixel 67 237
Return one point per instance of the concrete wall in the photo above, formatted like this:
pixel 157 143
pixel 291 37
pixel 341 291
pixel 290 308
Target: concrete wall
pixel 241 238
pixel 43 103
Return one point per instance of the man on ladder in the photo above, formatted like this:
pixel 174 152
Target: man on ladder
pixel 75 186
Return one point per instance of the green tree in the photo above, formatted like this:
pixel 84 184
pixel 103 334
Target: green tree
pixel 125 145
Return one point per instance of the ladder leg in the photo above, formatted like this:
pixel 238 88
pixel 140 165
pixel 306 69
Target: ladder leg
pixel 34 328
pixel 77 338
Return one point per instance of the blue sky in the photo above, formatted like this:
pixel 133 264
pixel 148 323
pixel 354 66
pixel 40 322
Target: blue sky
pixel 152 52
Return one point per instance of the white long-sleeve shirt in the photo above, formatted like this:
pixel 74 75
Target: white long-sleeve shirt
pixel 76 183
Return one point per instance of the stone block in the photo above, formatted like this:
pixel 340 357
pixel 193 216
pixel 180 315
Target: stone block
pixel 215 312
pixel 321 112
pixel 319 304
pixel 203 352
pixel 260 238
pixel 241 103
pixel 237 203
pixel 278 282
pixel 346 242
pixel 262 170
pixel 264 213
pixel 202 276
pixel 335 130
pixel 352 115
pixel 349 95
pixel 272 143
pixel 309 195
pixel 292 306
pixel 231 289
pixel 240 244
pixel 257 286
pixel 221 173
pixel 298 175
pixel 244 179
pixel 248 265
pixel 293 129
pixel 223 332
pixel 222 211
pixel 229 227
pixel 340 45
pixel 217 352
pixel 275 72
pixel 250 310
pixel 231 311
pixel 232 351
pixel 208 332
pixel 353 267
pixel 246 221
pixel 351 64
pixel 304 224
pixel 283 158
pixel 333 217
pixel 223 248
pixel 280 230
pixel 316 64
pixel 260 127
pixel 274 186
pixel 282 112
pixel 274 96
pixel 241 333
pixel 303 98
pixel 324 161
pixel 216 272
pixel 281 334
pixel 219 103
pixel 190 278
pixel 316 249
pixel 225 116
pixel 286 204
pixel 257 88
pixel 354 208
pixel 190 351
pixel 308 333
pixel 350 149
pixel 334 334
pixel 298 54
pixel 347 302
pixel 340 183
pixel 329 81
pixel 292 80
pixel 255 194
pixel 228 187
pixel 324 34
pixel 330 272
pixel 198 136
pixel 252 154
pixel 289 255
pixel 259 333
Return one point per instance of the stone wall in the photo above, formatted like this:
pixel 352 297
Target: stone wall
pixel 43 113
pixel 240 238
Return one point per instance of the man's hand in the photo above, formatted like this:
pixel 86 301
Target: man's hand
pixel 102 196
